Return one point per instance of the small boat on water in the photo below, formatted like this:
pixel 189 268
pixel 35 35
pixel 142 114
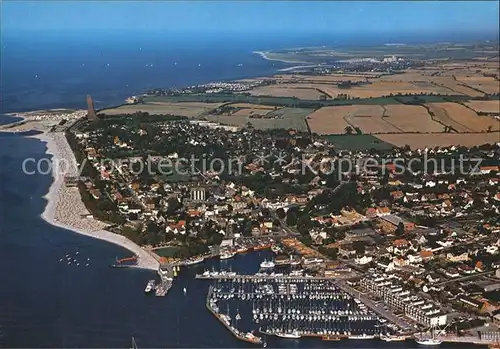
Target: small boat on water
pixel 184 290
pixel 149 286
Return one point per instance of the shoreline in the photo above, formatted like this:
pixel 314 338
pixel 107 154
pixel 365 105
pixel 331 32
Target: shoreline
pixel 265 55
pixel 60 195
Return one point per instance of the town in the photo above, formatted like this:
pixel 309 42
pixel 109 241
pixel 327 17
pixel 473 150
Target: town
pixel 424 241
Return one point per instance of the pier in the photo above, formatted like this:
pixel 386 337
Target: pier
pixel 234 277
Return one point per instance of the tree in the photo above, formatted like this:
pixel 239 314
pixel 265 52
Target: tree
pixel 173 204
pixel 359 246
pixel 348 130
pixel 291 218
pixel 329 252
pixel 280 212
pixel 400 230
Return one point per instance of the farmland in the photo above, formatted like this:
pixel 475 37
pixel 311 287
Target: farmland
pixel 483 83
pixel 328 120
pixel 370 119
pixel 381 89
pixel 460 118
pixel 416 140
pixel 489 107
pixel 411 118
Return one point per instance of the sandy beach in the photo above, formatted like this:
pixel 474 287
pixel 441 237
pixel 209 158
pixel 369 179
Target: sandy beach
pixel 265 55
pixel 66 209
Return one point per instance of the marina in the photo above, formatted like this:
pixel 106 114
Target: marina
pixel 287 304
pixel 293 307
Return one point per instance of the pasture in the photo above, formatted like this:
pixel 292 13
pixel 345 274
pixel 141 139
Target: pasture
pixel 358 142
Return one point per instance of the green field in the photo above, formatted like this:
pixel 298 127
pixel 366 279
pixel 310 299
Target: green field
pixel 358 142
pixel 266 100
pixel 285 118
pixel 167 251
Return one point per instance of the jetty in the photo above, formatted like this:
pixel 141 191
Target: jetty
pixel 167 272
pixel 225 320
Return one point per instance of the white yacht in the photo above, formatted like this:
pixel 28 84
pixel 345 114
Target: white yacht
pixel 291 335
pixel 267 264
pixel 428 341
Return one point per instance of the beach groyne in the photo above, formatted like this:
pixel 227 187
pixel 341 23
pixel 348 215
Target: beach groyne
pixel 66 209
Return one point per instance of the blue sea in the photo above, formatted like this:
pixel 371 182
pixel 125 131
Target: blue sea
pixel 47 303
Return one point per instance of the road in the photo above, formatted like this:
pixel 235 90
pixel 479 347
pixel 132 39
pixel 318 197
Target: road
pixel 464 278
pixel 376 308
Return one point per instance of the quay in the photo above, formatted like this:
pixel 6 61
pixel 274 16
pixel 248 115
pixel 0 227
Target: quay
pixel 468 340
pixel 377 309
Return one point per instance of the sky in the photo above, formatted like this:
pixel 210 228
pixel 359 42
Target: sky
pixel 251 16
